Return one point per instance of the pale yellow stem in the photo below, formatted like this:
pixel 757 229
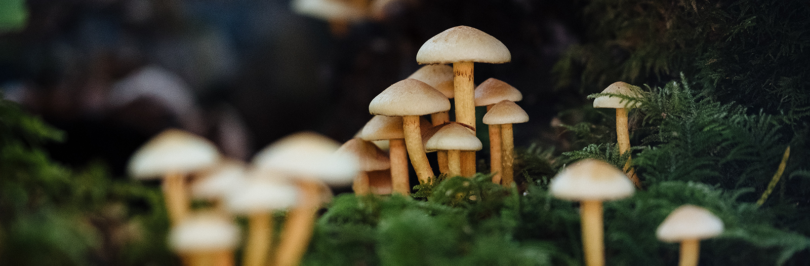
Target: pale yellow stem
pixel 508 149
pixel 592 232
pixel 259 236
pixel 623 137
pixel 176 197
pixel 453 163
pixel 413 143
pixel 298 227
pixel 464 98
pixel 399 166
pixel 439 119
pixel 361 183
pixel 495 153
pixel 212 258
pixel 690 252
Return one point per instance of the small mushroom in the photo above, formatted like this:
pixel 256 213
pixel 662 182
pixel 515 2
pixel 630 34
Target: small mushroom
pixel 389 129
pixel 621 106
pixel 689 224
pixel 487 94
pixel 462 46
pixel 411 99
pixel 171 155
pixel 370 158
pixel 440 77
pixel 215 183
pixel 454 138
pixel 591 182
pixel 205 239
pixel 506 113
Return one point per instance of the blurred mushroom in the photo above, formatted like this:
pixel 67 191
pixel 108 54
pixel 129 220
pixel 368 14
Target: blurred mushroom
pixel 205 240
pixel 370 158
pixel 621 106
pixel 488 94
pixel 454 138
pixel 339 13
pixel 440 77
pixel 689 224
pixel 506 113
pixel 215 183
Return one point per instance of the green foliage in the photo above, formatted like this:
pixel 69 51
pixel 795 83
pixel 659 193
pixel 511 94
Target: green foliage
pixel 12 15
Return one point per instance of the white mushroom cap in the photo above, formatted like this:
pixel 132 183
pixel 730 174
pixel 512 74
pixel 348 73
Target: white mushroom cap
pixel 440 77
pixel 689 222
pixel 204 233
pixel 370 157
pixel 217 182
pixel 454 137
pixel 409 97
pixel 328 9
pixel 309 156
pixel 493 91
pixel 172 151
pixel 259 195
pixel 615 102
pixel 505 112
pixel 463 44
pixel 591 179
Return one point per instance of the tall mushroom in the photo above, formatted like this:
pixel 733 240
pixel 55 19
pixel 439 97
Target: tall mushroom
pixel 171 155
pixel 487 94
pixel 504 114
pixel 309 159
pixel 454 138
pixel 440 77
pixel 689 224
pixel 205 239
pixel 621 106
pixel 410 99
pixel 370 158
pixel 591 182
pixel 462 46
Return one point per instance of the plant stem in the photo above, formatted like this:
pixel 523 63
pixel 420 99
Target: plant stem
pixel 361 183
pixel 775 178
pixel 413 143
pixel 453 163
pixel 690 252
pixel 439 119
pixel 259 236
pixel 176 197
pixel 623 138
pixel 508 149
pixel 495 152
pixel 592 234
pixel 399 166
pixel 464 98
pixel 298 227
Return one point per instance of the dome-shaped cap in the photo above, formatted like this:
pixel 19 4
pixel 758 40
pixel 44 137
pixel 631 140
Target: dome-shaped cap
pixel 591 179
pixel 463 44
pixel 505 112
pixel 370 156
pixel 689 222
pixel 308 155
pixel 440 77
pixel 328 9
pixel 259 195
pixel 172 151
pixel 493 91
pixel 216 182
pixel 620 88
pixel 454 137
pixel 204 233
pixel 409 97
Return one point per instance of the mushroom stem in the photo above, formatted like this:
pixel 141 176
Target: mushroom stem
pixel 361 183
pixel 464 98
pixel 495 153
pixel 399 166
pixel 508 149
pixel 453 163
pixel 213 258
pixel 258 242
pixel 174 192
pixel 592 235
pixel 438 119
pixel 690 252
pixel 623 137
pixel 298 227
pixel 413 142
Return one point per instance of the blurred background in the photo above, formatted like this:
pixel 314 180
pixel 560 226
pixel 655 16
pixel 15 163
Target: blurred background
pixel 243 73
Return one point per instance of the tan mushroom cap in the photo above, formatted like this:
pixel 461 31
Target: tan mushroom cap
pixel 260 195
pixel 204 233
pixel 172 151
pixel 463 44
pixel 409 97
pixel 493 91
pixel 218 181
pixel 620 88
pixel 689 222
pixel 591 179
pixel 440 77
pixel 371 158
pixel 454 137
pixel 328 9
pixel 505 112
pixel 308 156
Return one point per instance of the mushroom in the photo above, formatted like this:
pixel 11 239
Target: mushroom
pixel 379 182
pixel 621 106
pixel 440 77
pixel 410 99
pixel 454 138
pixel 461 46
pixel 488 94
pixel 205 239
pixel 689 224
pixel 171 155
pixel 338 13
pixel 309 159
pixel 217 182
pixel 591 182
pixel 370 157
pixel 258 198
pixel 506 113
